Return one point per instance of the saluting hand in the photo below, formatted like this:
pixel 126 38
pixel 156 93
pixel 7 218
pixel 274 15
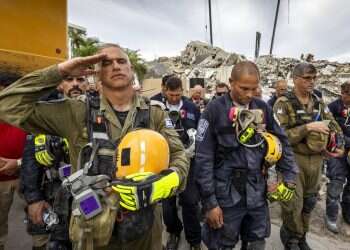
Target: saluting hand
pixel 80 66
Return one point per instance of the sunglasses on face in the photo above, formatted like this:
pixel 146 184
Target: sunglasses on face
pixel 220 93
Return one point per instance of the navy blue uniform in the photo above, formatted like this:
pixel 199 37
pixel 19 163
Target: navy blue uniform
pixel 338 168
pixel 230 175
pixel 158 97
pixel 272 100
pixel 189 198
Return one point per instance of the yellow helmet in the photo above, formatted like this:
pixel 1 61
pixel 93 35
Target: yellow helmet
pixel 274 148
pixel 142 150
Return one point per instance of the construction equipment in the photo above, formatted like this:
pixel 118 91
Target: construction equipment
pixel 34 35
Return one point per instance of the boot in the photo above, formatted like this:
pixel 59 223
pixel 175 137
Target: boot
pixel 289 241
pixel 303 244
pixel 196 247
pixel 39 248
pixel 244 245
pixel 173 242
pixel 331 224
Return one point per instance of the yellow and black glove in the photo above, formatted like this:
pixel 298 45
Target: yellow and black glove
pixel 43 153
pixel 140 190
pixel 284 192
pixel 46 147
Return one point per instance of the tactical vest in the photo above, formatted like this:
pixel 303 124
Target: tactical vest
pixel 100 137
pixel 300 116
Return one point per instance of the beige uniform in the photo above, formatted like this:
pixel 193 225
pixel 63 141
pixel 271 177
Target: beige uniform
pixel 296 213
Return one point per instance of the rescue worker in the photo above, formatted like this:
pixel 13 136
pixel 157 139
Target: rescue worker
pixel 281 88
pixel 307 122
pixel 12 141
pixel 104 120
pixel 196 97
pixel 221 89
pixel 161 95
pixel 231 169
pixel 44 156
pixel 338 168
pixel 185 116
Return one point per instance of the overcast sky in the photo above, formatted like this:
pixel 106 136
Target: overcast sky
pixel 164 27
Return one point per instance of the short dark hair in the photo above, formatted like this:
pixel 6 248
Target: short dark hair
pixel 173 83
pixel 222 85
pixel 165 78
pixel 345 87
pixel 304 68
pixel 244 67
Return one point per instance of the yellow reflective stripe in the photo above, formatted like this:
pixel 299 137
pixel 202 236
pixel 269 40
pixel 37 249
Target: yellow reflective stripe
pixel 125 189
pixel 127 207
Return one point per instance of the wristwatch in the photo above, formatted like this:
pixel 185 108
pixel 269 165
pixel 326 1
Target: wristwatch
pixel 19 162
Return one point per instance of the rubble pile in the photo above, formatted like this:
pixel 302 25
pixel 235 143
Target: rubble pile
pixel 197 60
pixel 214 64
pixel 329 78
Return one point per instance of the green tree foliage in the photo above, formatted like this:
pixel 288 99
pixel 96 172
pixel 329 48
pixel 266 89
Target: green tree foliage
pixel 137 62
pixel 80 44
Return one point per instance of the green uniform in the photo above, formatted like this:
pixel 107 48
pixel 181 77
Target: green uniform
pixel 67 118
pixel 296 213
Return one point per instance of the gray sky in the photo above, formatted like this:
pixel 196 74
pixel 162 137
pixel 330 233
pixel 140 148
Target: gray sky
pixel 164 27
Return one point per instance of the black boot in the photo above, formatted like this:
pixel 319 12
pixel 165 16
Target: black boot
pixel 196 247
pixel 289 240
pixel 39 248
pixel 303 244
pixel 173 242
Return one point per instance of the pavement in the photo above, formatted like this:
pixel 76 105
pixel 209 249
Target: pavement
pixel 19 239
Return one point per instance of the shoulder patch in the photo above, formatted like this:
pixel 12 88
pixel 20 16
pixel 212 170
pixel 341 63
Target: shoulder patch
pixel 157 103
pixel 203 125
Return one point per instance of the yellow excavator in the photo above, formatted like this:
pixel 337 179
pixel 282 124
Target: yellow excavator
pixel 33 35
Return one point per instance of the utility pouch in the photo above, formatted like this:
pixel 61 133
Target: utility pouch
pixel 133 225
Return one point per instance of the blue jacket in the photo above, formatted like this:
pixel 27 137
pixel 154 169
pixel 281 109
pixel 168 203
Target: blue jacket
pixel 272 101
pixel 158 97
pixel 340 114
pixel 219 155
pixel 189 117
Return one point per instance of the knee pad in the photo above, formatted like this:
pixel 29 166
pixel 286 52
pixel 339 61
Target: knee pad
pixel 309 203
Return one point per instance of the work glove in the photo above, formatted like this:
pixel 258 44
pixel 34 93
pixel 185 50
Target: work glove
pixel 284 192
pixel 141 190
pixel 43 153
pixel 46 146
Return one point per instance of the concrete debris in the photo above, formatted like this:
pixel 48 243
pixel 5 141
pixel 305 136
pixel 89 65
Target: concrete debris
pixel 214 64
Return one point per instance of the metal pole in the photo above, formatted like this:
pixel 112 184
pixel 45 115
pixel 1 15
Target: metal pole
pixel 210 24
pixel 257 44
pixel 274 26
